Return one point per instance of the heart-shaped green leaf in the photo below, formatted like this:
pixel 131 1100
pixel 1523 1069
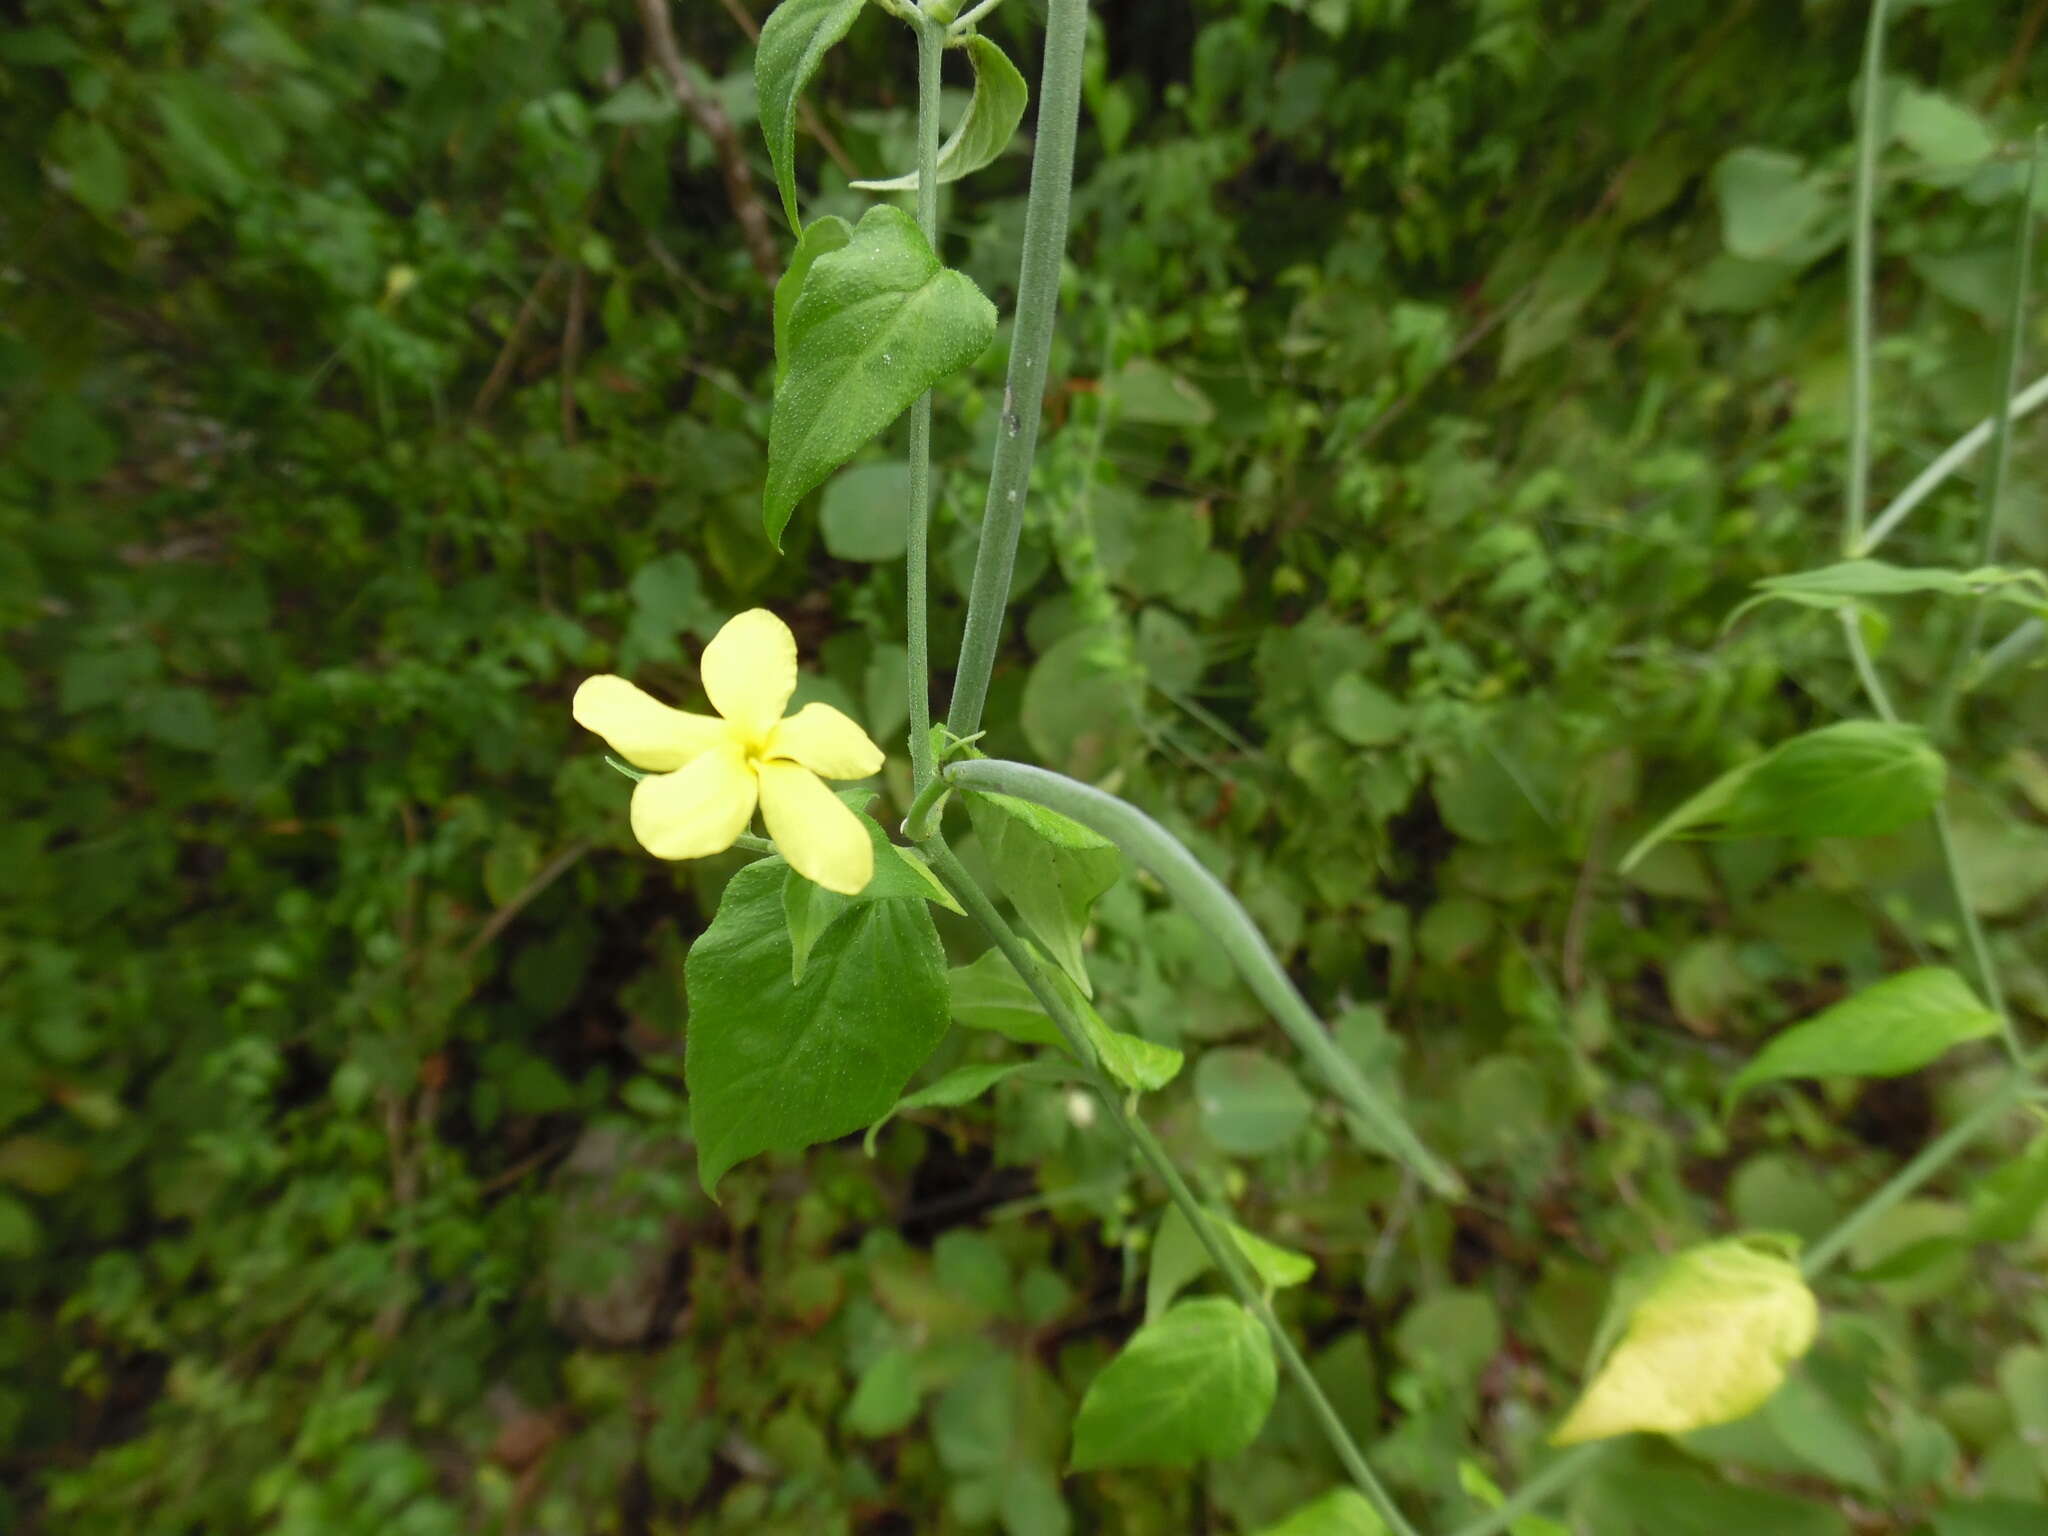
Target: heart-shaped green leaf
pixel 1198 1382
pixel 1000 96
pixel 777 1066
pixel 878 323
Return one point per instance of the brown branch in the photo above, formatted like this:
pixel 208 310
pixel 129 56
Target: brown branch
pixel 711 119
pixel 508 354
pixel 572 354
pixel 2016 61
pixel 501 919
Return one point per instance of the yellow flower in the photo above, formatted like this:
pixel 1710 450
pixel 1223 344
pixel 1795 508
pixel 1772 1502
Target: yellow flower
pixel 706 773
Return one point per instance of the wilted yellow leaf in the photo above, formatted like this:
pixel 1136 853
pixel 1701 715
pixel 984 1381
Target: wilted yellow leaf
pixel 1707 1343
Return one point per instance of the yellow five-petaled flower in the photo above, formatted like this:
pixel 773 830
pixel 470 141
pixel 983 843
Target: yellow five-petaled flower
pixel 706 773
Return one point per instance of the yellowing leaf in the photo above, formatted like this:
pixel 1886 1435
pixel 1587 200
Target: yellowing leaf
pixel 1707 1343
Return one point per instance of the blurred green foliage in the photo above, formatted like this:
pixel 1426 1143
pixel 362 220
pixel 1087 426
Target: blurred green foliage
pixel 1433 381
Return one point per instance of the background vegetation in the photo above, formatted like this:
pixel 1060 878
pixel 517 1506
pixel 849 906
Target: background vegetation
pixel 1435 379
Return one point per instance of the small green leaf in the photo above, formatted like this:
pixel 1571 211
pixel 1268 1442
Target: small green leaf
pixel 1051 868
pixel 997 107
pixel 1707 1342
pixel 1839 586
pixel 1772 207
pixel 794 41
pixel 1363 713
pixel 878 323
pixel 990 995
pixel 1178 1258
pixel 1340 1512
pixel 1198 1382
pixel 2004 1205
pixel 962 1085
pixel 776 1066
pixel 886 1397
pixel 810 909
pixel 822 237
pixel 1897 1026
pixel 1861 778
pixel 1249 1103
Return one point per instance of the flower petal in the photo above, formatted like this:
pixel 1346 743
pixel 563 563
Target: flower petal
pixel 823 840
pixel 698 810
pixel 749 670
pixel 642 729
pixel 820 738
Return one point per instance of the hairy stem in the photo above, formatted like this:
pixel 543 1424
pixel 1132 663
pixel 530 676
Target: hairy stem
pixel 1221 1249
pixel 1204 898
pixel 931 44
pixel 1038 293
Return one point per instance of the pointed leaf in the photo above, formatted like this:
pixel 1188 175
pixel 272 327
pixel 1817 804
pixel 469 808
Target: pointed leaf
pixel 1340 1512
pixel 1861 778
pixel 794 41
pixel 1887 1030
pixel 878 323
pixel 1178 1258
pixel 776 1066
pixel 1839 586
pixel 989 995
pixel 1708 1342
pixel 1198 1382
pixel 997 107
pixel 1051 868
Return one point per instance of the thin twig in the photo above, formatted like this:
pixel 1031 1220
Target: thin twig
pixel 2016 61
pixel 508 354
pixel 711 119
pixel 572 351
pixel 502 919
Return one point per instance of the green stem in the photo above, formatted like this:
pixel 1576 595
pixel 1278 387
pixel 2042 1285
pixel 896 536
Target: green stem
pixel 931 44
pixel 1862 265
pixel 1946 463
pixel 963 24
pixel 1038 293
pixel 1204 898
pixel 1555 1478
pixel 1935 1156
pixel 921 822
pixel 1942 713
pixel 1222 1251
pixel 1945 841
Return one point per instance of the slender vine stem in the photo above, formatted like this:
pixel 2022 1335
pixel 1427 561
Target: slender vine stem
pixel 1862 269
pixel 1038 293
pixel 1941 713
pixel 1945 841
pixel 1204 898
pixel 1946 463
pixel 1221 1249
pixel 1932 1158
pixel 931 45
